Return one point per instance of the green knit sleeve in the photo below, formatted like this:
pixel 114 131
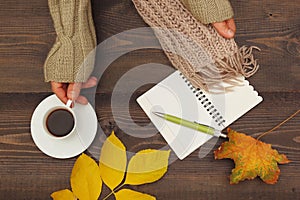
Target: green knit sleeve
pixel 209 11
pixel 71 58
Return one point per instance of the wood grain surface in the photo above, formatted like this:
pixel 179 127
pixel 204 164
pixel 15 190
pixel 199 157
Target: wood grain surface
pixel 26 36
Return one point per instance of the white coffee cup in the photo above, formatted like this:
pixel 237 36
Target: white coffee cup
pixel 60 121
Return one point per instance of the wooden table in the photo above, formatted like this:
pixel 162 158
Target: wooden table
pixel 26 36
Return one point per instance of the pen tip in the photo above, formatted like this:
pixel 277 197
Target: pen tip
pixel 158 113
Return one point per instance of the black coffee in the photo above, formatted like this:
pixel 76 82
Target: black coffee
pixel 60 122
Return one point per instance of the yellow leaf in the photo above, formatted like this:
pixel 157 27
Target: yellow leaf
pixel 127 194
pixel 86 182
pixel 147 166
pixel 63 195
pixel 113 161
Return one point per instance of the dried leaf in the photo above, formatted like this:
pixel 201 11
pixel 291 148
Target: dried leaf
pixel 251 157
pixel 127 194
pixel 86 182
pixel 63 195
pixel 147 166
pixel 113 161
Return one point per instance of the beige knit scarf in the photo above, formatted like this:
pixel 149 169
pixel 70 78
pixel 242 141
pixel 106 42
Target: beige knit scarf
pixel 197 50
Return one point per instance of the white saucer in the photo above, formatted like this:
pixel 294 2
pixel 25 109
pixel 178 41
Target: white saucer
pixel 72 145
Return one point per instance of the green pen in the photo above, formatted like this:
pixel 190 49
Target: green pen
pixel 193 125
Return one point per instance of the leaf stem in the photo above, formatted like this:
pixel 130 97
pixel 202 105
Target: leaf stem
pixel 113 191
pixel 280 124
pixel 108 195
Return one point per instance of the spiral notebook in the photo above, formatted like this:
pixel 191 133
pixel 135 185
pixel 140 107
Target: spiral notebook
pixel 176 96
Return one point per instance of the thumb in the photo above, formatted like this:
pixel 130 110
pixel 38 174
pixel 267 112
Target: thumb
pixel 224 29
pixel 91 82
pixel 73 91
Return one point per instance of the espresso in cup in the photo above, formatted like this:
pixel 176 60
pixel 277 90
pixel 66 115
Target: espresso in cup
pixel 60 122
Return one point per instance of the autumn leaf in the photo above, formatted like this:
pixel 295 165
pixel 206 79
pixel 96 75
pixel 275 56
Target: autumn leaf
pixel 112 161
pixel 86 182
pixel 251 157
pixel 63 195
pixel 147 166
pixel 127 194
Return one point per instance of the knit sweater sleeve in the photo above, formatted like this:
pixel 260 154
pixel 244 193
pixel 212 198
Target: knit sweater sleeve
pixel 71 58
pixel 209 11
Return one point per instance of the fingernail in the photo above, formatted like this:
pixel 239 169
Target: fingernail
pixel 230 32
pixel 71 94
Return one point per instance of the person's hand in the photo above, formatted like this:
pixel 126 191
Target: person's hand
pixel 226 28
pixel 66 91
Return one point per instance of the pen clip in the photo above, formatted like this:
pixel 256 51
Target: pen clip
pixel 197 122
pixel 201 124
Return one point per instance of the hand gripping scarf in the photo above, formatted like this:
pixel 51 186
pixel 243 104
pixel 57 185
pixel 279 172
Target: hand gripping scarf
pixel 203 56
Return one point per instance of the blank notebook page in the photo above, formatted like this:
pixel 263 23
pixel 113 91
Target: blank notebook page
pixel 175 96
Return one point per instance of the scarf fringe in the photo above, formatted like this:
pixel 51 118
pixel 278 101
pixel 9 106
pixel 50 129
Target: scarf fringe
pixel 227 70
pixel 205 58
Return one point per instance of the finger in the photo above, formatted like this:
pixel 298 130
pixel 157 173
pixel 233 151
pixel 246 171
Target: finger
pixel 60 90
pixel 91 82
pixel 73 91
pixel 223 29
pixel 82 100
pixel 231 24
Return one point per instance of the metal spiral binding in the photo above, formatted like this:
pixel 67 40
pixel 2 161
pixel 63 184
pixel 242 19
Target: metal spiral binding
pixel 205 102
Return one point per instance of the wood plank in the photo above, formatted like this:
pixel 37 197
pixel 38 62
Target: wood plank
pixel 27 35
pixel 28 173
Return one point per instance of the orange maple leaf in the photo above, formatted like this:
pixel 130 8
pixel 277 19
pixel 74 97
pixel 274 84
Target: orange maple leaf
pixel 252 158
